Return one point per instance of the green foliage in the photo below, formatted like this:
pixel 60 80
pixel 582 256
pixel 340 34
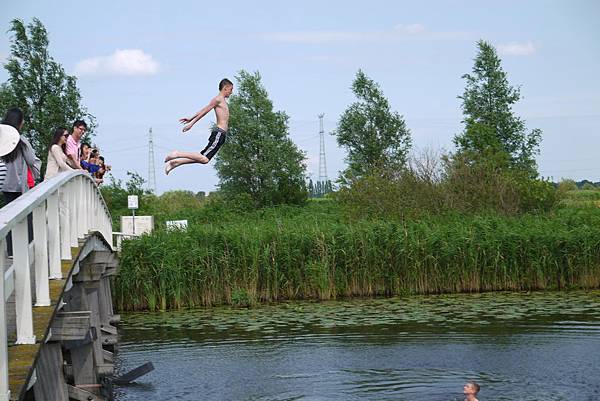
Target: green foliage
pixel 588 186
pixel 567 184
pixel 259 159
pixel 374 136
pixel 491 128
pixel 431 185
pixel 317 252
pixel 240 298
pixel 319 189
pixel 577 198
pixel 39 86
pixel 486 186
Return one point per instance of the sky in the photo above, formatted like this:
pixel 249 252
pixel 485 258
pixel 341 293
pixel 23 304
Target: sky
pixel 145 64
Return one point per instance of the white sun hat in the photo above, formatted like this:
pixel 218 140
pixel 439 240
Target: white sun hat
pixel 9 138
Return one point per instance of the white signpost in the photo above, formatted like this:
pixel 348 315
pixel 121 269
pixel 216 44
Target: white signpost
pixel 132 203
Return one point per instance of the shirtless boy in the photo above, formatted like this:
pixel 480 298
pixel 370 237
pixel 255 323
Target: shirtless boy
pixel 470 390
pixel 217 136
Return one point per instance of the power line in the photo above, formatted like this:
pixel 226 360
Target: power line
pixel 322 162
pixel 151 169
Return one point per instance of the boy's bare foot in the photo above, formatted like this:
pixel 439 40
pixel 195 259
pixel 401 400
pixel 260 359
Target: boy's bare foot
pixel 168 167
pixel 171 155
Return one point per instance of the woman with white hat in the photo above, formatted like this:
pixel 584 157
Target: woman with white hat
pixel 17 153
pixel 19 158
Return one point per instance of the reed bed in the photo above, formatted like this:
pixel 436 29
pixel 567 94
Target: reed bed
pixel 316 253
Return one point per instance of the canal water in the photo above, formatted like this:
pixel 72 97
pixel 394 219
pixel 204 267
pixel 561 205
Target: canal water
pixel 518 346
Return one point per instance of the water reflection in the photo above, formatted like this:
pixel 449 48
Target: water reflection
pixel 519 346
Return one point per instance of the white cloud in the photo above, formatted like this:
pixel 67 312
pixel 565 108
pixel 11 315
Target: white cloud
pixel 121 62
pixel 516 49
pixel 398 32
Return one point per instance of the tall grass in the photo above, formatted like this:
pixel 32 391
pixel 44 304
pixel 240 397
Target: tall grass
pixel 316 252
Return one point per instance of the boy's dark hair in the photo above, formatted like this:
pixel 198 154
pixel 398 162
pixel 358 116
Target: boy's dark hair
pixel 86 144
pixel 79 123
pixel 224 82
pixel 475 386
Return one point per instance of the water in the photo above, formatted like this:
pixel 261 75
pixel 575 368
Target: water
pixel 518 346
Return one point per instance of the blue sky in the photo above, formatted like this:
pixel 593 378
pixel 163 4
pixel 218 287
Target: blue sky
pixel 143 64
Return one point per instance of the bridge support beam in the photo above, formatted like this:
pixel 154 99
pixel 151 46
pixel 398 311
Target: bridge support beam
pixel 4 389
pixel 54 246
pixel 42 288
pixel 23 298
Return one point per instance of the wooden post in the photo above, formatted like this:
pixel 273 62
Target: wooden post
pixel 106 309
pixel 91 292
pixel 4 389
pixel 50 384
pixel 40 244
pixel 82 359
pixel 22 284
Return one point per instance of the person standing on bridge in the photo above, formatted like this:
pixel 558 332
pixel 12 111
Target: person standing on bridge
pixel 19 156
pixel 57 158
pixel 217 136
pixel 74 143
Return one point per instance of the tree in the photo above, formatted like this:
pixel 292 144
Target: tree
pixel 39 86
pixel 374 136
pixel 259 159
pixel 492 131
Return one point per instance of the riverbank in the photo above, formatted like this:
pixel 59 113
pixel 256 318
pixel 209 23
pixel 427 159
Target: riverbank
pixel 317 252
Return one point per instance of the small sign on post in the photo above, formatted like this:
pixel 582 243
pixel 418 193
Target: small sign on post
pixel 132 203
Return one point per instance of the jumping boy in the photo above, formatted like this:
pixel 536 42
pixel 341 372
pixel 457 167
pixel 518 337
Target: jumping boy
pixel 217 136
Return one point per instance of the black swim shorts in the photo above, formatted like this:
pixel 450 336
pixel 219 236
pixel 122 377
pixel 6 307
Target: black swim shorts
pixel 216 140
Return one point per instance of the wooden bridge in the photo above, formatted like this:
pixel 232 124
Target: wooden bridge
pixel 56 319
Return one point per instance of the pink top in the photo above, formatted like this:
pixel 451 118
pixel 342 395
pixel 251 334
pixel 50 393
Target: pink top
pixel 73 147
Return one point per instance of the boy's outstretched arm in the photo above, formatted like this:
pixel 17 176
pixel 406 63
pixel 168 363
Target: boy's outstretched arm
pixel 189 122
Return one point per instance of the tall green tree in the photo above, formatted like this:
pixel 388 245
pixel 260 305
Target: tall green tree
pixel 373 134
pixel 259 159
pixel 492 131
pixel 39 86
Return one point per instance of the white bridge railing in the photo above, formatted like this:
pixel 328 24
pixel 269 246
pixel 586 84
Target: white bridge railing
pixel 65 208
